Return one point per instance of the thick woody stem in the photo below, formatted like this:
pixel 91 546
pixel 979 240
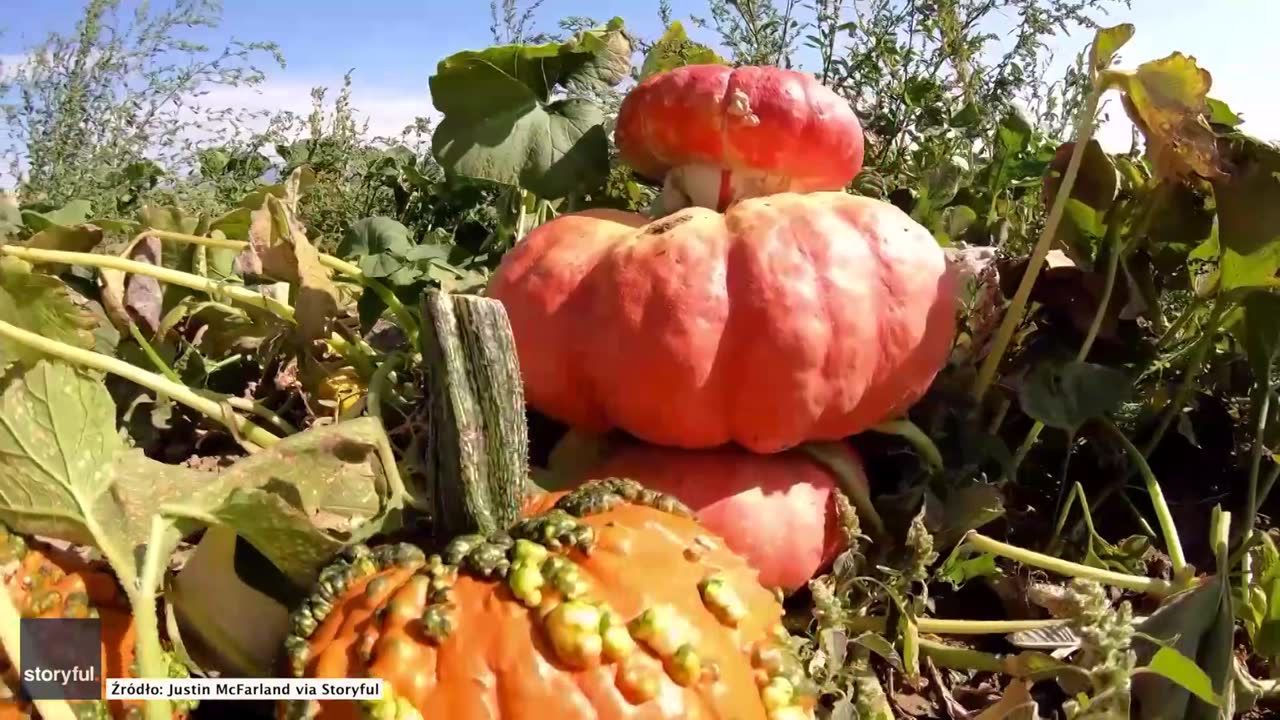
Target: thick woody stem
pixel 478 444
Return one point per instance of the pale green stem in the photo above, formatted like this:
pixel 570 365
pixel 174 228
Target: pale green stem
pixel 213 288
pixel 1183 318
pixel 160 365
pixel 942 626
pixel 255 408
pixel 142 597
pixel 1167 527
pixel 378 384
pixel 912 433
pixel 152 381
pixel 1018 305
pixel 1151 586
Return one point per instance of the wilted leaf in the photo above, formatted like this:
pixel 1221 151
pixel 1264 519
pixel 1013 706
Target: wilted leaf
pixel 279 244
pixel 1106 43
pixel 1066 395
pixel 303 499
pixel 80 238
pixel 1015 704
pixel 674 49
pixel 130 299
pixel 1166 99
pixel 41 304
pixel 500 123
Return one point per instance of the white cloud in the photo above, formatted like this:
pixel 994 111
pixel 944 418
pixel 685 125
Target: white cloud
pixel 387 110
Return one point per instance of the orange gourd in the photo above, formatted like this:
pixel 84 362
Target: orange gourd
pixel 614 603
pixel 787 318
pixel 778 511
pixel 46 582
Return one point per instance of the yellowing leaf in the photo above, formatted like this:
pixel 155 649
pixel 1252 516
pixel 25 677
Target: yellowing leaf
pixel 1167 100
pixel 1106 43
pixel 41 304
pixel 279 249
pixel 674 49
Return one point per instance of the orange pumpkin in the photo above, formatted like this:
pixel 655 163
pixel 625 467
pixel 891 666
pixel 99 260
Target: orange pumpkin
pixel 612 604
pixel 778 511
pixel 787 318
pixel 46 582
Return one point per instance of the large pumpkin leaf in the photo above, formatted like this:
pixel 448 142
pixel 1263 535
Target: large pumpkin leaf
pixel 41 304
pixel 1248 199
pixel 674 49
pixel 71 214
pixel 300 501
pixel 1066 395
pixel 501 123
pixel 67 473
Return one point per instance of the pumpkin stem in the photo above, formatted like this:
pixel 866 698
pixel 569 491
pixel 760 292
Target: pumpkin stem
pixel 477 455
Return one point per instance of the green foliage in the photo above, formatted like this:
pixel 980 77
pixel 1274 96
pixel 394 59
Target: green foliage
pixel 501 123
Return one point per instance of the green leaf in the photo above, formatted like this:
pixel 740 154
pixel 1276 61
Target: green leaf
pixel 1248 200
pixel 71 214
pixel 42 304
pixel 373 236
pixel 967 116
pixel 1066 395
pixel 1267 640
pixel 1106 43
pixel 1199 625
pixel 953 223
pixel 1221 114
pixel 67 473
pixel 674 49
pixel 1262 332
pixel 1096 180
pixel 1182 670
pixel 303 499
pixel 958 569
pixel 500 123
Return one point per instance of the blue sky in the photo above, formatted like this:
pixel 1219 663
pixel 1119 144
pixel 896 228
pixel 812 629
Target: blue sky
pixel 394 46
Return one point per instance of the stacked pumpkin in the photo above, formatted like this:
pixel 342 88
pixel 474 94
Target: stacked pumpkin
pixel 763 311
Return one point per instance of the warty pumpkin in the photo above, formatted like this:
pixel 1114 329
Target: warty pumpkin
pixel 44 581
pixel 614 603
pixel 787 318
pixel 778 511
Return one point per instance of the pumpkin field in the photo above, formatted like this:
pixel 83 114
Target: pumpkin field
pixel 657 380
